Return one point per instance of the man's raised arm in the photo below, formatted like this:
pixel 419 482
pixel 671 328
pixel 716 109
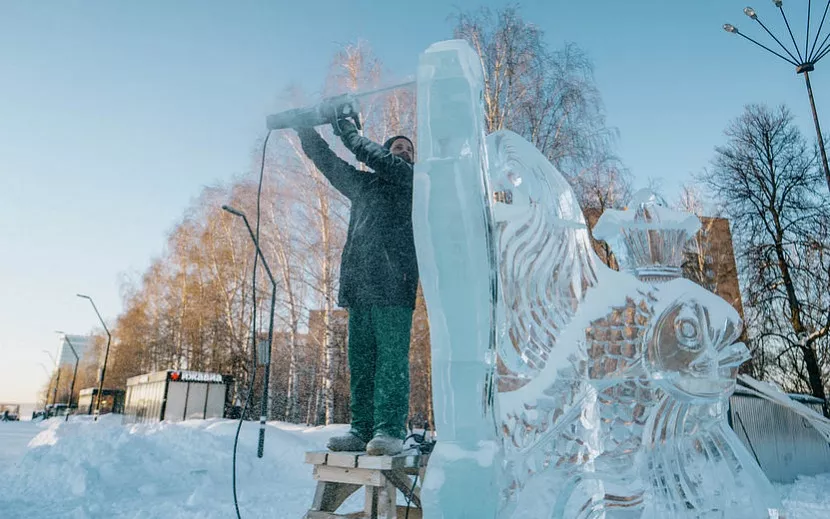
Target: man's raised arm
pixel 342 175
pixel 386 165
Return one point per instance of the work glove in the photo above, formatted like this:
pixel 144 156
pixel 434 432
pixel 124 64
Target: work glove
pixel 343 126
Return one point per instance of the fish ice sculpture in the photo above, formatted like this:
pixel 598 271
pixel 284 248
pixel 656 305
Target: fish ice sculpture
pixel 564 389
pixel 613 386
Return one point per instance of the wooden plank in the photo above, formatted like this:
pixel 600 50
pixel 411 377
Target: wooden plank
pixel 342 459
pixel 353 476
pixel 404 484
pixel 313 514
pixel 388 462
pixel 419 467
pixel 387 509
pixel 316 457
pixel 370 509
pixel 375 462
pixel 320 495
pixel 329 496
pixel 410 470
pixel 414 513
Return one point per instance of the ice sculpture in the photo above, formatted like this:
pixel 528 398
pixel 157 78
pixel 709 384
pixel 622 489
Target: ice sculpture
pixel 452 226
pixel 564 389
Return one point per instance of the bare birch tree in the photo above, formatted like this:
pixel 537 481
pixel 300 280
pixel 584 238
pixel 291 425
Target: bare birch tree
pixel 769 182
pixel 546 95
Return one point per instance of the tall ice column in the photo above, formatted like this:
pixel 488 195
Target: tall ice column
pixel 452 223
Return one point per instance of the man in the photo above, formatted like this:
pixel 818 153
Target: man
pixel 378 281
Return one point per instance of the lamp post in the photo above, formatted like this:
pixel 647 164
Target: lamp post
pixel 74 373
pixel 49 388
pixel 106 355
pixel 804 63
pixel 264 407
pixel 57 379
pixel 48 374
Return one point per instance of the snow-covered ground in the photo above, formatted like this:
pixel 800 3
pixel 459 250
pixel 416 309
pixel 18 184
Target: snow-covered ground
pixel 84 469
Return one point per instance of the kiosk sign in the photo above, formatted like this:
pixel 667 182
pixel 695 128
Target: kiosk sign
pixel 195 376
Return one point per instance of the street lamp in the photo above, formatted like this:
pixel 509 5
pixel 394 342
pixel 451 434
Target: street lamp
pixel 264 406
pixel 106 355
pixel 51 357
pixel 57 380
pixel 49 388
pixel 74 373
pixel 804 63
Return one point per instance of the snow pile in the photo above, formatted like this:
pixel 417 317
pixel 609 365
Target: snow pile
pixel 84 469
pixel 807 498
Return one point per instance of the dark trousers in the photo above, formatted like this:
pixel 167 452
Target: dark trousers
pixel 379 369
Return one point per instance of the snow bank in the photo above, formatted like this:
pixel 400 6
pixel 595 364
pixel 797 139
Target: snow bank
pixel 84 469
pixel 807 498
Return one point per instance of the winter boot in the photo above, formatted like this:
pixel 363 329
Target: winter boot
pixel 384 445
pixel 349 442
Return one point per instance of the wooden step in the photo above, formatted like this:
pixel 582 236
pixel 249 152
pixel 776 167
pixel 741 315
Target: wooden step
pixel 405 460
pixel 414 513
pixel 341 474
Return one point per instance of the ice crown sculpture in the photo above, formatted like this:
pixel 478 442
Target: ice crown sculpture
pixel 564 389
pixel 648 238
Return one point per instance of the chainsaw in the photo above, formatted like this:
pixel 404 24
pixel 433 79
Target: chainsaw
pixel 331 110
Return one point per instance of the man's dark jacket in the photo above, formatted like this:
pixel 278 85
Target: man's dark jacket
pixel 378 266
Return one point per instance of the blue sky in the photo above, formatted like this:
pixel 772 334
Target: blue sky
pixel 113 115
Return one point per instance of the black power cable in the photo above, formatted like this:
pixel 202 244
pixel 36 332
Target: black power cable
pixel 253 325
pixel 239 427
pixel 409 496
pixel 423 445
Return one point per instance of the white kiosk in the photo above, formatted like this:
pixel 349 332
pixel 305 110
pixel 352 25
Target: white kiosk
pixel 175 395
